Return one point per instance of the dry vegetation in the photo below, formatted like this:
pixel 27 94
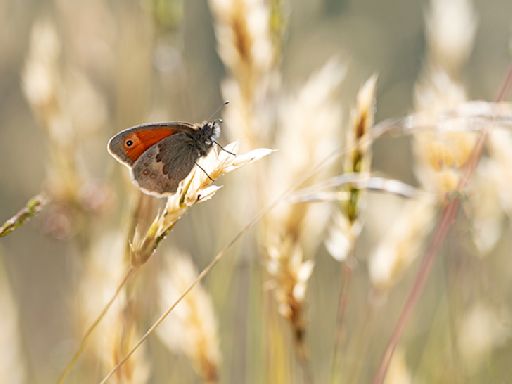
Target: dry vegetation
pixel 368 242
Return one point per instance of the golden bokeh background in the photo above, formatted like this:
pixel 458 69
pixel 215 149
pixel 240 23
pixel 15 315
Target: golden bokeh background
pixel 119 63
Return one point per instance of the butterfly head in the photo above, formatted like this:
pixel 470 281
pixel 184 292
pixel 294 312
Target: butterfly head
pixel 206 135
pixel 212 129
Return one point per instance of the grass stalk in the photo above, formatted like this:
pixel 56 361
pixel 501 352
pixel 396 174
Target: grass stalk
pixel 448 217
pixel 304 362
pixel 135 218
pixel 346 272
pixel 83 343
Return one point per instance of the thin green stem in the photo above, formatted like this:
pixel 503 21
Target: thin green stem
pixel 32 208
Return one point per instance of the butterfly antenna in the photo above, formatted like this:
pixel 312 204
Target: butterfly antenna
pixel 216 112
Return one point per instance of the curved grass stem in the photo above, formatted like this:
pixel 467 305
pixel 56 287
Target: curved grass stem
pixel 222 252
pixel 83 343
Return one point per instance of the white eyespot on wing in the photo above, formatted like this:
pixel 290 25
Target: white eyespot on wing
pixel 115 147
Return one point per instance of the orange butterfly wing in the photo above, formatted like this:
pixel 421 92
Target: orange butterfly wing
pixel 143 139
pixel 128 145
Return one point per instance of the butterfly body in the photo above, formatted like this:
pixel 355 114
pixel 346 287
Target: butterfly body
pixel 160 155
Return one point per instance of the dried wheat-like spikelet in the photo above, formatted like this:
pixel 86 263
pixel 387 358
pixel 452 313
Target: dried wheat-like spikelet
pixel 490 199
pixel 451 27
pixel 44 89
pixel 442 149
pixel 125 333
pixel 62 97
pixel 59 103
pixel 308 129
pixel 244 37
pixel 11 364
pixel 441 156
pixel 500 152
pixel 243 33
pixel 288 277
pixel 358 154
pixel 196 187
pixel 403 242
pixel 486 209
pixel 191 328
pixel 346 225
pixel 482 330
pixel 308 126
pixel 105 268
pixel 41 80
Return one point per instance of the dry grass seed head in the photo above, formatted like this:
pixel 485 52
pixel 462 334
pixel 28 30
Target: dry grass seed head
pixel 346 226
pixel 309 125
pixel 451 27
pixel 191 328
pixel 41 79
pixel 288 277
pixel 490 200
pixel 117 331
pixel 482 330
pixel 243 34
pixel 195 188
pixel 58 96
pixel 309 122
pixel 500 148
pixel 486 209
pixel 441 155
pixel 401 245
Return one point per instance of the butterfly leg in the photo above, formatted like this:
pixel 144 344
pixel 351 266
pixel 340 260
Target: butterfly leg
pixel 206 173
pixel 225 150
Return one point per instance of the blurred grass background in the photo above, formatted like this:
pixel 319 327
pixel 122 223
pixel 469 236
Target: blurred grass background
pixel 154 60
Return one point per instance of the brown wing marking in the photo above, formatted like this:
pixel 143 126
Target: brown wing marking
pixel 160 169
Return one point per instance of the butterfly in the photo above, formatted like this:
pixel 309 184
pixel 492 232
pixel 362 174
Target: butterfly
pixel 160 155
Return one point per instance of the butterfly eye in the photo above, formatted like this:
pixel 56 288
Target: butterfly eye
pixel 129 143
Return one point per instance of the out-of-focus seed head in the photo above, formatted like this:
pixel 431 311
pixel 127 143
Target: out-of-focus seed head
pixel 192 327
pixel 451 27
pixel 402 243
